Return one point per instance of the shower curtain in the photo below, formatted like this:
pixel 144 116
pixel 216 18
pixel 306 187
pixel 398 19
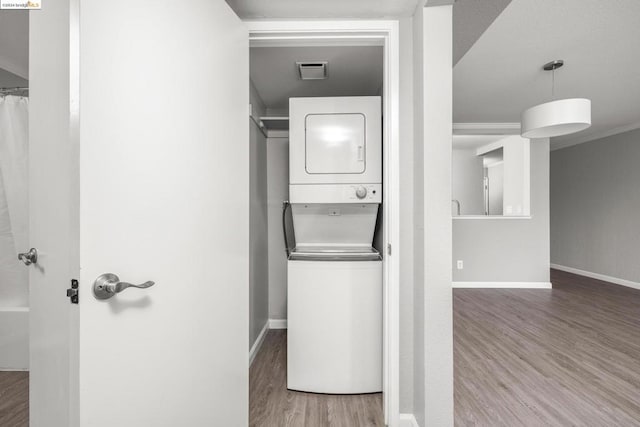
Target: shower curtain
pixel 14 199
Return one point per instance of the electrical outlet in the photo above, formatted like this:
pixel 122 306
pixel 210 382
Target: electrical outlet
pixel 460 264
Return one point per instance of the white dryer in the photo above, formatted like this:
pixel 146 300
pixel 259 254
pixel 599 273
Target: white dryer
pixel 335 145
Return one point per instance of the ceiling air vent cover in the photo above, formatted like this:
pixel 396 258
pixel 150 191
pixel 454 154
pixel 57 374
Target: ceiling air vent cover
pixel 316 70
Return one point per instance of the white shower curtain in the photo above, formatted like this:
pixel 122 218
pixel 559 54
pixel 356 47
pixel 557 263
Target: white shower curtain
pixel 14 200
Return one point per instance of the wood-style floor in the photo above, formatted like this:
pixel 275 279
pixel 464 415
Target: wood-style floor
pixel 272 405
pixel 14 399
pixel 563 357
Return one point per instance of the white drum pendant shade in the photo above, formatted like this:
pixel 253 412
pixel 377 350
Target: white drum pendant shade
pixel 556 118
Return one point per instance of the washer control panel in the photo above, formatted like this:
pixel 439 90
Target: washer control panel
pixel 365 192
pixel 335 193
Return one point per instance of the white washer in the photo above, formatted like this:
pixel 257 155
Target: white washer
pixel 334 300
pixel 334 326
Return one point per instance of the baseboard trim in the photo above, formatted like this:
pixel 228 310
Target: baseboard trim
pixel 255 348
pixel 408 420
pixel 503 285
pixel 277 323
pixel 598 276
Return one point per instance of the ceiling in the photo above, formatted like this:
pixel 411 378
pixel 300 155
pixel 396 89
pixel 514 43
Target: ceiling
pixel 501 74
pixel 353 71
pixel 325 9
pixel 470 19
pixel 499 48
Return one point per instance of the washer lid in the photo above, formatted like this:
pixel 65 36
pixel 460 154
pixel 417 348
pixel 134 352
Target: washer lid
pixel 335 253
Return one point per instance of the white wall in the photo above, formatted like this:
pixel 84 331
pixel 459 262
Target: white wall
pixel 406 216
pixel 495 178
pixel 418 218
pixel 508 250
pixel 258 259
pixel 278 191
pixel 595 206
pixel 516 164
pixel 433 327
pixel 467 182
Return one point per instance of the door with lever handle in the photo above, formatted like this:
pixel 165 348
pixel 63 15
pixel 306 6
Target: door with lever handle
pixel 108 284
pixel 30 257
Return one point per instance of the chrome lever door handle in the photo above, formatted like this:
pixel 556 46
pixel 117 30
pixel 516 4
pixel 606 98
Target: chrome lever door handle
pixel 30 257
pixel 108 284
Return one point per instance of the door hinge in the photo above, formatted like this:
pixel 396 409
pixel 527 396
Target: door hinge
pixel 72 292
pixel 388 248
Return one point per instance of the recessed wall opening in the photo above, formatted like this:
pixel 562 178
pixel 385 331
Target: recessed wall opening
pixel 490 176
pixel 342 70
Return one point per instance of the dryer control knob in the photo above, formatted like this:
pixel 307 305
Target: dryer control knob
pixel 361 192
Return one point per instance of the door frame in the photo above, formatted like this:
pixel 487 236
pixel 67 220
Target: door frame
pixel 366 32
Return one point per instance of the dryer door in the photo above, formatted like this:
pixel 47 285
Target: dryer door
pixel 335 140
pixel 335 143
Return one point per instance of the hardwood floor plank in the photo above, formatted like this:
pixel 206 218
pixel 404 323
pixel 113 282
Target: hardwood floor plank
pixel 562 357
pixel 14 399
pixel 272 405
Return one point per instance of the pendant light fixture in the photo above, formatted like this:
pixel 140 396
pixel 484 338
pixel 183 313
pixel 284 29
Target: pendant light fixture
pixel 555 118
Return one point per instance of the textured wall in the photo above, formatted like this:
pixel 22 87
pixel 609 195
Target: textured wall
pixel 433 334
pixel 595 206
pixel 278 191
pixel 406 217
pixel 258 260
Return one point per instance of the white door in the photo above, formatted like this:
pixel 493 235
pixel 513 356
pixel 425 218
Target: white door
pixel 163 173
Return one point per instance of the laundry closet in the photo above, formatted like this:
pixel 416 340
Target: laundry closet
pixel 317 233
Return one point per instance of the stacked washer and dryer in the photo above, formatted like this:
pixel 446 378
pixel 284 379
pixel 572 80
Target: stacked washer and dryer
pixel 334 342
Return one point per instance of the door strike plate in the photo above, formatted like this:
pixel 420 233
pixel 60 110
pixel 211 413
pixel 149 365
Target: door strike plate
pixel 72 292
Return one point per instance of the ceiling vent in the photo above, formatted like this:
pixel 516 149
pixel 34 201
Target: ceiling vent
pixel 316 70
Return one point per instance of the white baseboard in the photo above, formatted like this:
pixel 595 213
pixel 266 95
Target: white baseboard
pixel 255 348
pixel 503 285
pixel 277 323
pixel 598 276
pixel 408 420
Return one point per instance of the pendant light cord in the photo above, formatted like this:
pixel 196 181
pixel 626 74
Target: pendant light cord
pixel 553 66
